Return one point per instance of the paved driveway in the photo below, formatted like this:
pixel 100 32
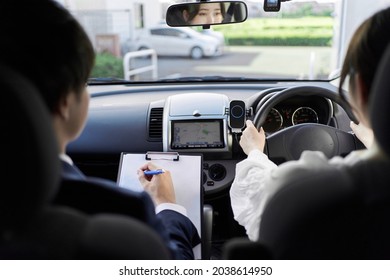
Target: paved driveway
pixel 252 62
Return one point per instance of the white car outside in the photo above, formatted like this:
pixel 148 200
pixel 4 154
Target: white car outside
pixel 179 41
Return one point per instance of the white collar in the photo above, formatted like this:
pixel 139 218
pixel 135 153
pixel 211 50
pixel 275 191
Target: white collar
pixel 66 158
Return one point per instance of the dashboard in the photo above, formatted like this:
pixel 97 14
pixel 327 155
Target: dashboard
pixel 191 119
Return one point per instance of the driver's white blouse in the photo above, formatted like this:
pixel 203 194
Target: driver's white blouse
pixel 258 178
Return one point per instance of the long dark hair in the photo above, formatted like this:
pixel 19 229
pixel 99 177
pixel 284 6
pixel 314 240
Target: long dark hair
pixel 365 50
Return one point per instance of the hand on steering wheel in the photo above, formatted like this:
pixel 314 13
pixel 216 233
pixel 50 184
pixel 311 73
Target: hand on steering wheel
pixel 288 144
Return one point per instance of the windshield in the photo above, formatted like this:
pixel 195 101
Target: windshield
pixel 303 41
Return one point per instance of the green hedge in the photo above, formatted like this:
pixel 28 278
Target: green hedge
pixel 275 41
pixel 308 31
pixel 107 65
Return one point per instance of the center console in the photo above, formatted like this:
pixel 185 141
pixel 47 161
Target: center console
pixel 199 123
pixel 196 123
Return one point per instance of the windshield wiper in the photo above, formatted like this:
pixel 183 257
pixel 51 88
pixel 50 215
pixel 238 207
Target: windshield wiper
pixel 107 80
pixel 116 81
pixel 207 78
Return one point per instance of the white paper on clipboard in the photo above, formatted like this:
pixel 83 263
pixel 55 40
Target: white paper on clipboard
pixel 186 172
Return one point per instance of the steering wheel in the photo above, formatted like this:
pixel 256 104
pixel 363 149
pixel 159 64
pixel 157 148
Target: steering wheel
pixel 289 143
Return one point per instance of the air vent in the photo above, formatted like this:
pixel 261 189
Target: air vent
pixel 155 124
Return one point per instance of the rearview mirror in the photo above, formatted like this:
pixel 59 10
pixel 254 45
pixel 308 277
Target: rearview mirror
pixel 206 13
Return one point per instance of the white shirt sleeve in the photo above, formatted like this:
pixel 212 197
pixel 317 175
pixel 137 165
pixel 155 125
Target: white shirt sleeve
pixel 171 206
pixel 258 178
pixel 249 193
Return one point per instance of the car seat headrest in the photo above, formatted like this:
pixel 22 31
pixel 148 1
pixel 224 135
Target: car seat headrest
pixel 380 103
pixel 31 174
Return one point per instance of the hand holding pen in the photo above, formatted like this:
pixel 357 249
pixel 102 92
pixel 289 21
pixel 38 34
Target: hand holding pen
pixel 157 182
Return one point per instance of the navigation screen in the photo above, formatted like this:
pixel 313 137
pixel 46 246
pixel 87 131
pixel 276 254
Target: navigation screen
pixel 195 135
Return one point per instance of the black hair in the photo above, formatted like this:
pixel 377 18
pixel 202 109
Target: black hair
pixel 44 42
pixel 365 50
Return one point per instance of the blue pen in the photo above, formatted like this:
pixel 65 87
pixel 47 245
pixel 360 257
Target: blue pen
pixel 154 172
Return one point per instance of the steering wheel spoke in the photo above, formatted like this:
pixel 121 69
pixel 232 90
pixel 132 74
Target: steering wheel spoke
pixel 288 144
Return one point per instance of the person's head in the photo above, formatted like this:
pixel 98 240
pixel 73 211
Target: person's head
pixel 45 43
pixel 364 53
pixel 205 13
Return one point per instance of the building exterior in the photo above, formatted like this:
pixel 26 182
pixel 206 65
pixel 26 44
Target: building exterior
pixel 111 23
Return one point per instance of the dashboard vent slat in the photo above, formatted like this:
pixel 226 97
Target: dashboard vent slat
pixel 155 124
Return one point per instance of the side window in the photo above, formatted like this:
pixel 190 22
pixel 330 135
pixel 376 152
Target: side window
pixel 175 33
pixel 168 32
pixel 158 32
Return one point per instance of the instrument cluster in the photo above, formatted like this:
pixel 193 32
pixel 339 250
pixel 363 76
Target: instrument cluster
pixel 298 110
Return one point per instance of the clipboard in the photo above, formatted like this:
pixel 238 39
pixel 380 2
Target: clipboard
pixel 186 172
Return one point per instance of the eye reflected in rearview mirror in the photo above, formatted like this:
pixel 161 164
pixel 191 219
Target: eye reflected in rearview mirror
pixel 206 13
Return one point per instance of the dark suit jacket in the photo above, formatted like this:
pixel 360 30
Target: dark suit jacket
pixel 95 195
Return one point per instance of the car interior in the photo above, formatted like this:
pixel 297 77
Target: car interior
pixel 344 218
pixel 315 118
